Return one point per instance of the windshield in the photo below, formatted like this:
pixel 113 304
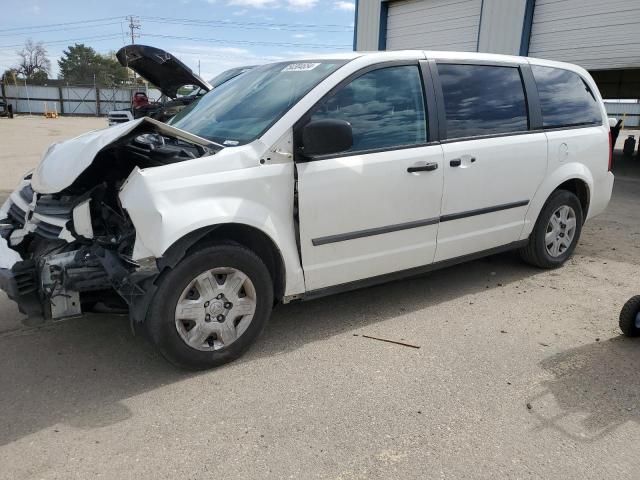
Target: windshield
pixel 196 91
pixel 238 112
pixel 227 75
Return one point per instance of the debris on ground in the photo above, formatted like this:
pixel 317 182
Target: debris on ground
pixel 388 341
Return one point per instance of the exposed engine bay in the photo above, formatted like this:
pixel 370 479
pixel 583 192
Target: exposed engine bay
pixel 71 251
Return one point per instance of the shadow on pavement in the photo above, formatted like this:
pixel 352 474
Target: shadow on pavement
pixel 595 388
pixel 77 372
pixel 74 372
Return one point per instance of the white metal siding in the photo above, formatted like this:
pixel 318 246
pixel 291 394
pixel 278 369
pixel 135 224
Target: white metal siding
pixel 594 34
pixel 434 25
pixel 630 112
pixel 367 33
pixel 501 26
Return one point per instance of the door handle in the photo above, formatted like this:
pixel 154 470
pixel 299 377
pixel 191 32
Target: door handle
pixel 429 167
pixel 456 162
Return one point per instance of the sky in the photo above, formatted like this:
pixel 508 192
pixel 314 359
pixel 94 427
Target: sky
pixel 221 34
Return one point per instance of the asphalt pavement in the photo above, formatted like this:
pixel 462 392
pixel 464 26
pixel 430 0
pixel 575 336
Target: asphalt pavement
pixel 520 373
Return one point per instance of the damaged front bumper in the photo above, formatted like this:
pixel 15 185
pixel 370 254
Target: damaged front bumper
pixel 20 284
pixel 67 241
pixel 51 264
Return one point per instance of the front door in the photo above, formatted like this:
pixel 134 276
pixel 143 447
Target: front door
pixel 374 209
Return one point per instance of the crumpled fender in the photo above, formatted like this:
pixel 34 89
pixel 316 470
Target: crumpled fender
pixel 165 210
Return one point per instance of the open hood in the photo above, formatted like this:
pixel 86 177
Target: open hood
pixel 159 68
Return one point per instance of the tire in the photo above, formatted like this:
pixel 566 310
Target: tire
pixel 536 252
pixel 192 349
pixel 629 317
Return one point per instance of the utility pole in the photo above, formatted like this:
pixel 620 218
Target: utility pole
pixel 134 24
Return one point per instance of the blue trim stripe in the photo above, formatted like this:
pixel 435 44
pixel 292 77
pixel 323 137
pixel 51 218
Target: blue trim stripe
pixel 527 24
pixel 355 28
pixel 382 32
pixel 479 26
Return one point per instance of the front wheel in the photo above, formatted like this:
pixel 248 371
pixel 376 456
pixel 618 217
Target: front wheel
pixel 211 307
pixel 556 233
pixel 630 317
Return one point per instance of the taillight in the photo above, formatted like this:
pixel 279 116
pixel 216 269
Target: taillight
pixel 610 151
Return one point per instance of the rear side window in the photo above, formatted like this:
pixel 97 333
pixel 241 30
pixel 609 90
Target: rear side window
pixel 566 100
pixel 385 108
pixel 483 100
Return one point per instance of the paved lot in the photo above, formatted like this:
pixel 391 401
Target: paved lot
pixel 25 138
pixel 520 373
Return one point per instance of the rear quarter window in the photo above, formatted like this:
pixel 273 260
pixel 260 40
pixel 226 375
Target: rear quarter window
pixel 565 98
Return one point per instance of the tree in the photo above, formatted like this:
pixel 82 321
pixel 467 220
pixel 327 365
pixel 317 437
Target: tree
pixel 113 72
pixel 10 75
pixel 39 78
pixel 34 64
pixel 80 64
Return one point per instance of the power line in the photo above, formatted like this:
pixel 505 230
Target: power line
pixel 96 38
pixel 243 27
pixel 270 24
pixel 250 43
pixel 134 24
pixel 61 24
pixel 250 25
pixel 80 27
pixel 188 21
pixel 196 39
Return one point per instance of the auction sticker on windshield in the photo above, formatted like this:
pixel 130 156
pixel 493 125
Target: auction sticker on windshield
pixel 300 67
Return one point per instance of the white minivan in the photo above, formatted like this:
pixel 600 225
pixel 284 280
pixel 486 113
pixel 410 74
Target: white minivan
pixel 306 178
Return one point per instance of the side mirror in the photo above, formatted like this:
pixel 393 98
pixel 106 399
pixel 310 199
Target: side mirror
pixel 613 122
pixel 323 137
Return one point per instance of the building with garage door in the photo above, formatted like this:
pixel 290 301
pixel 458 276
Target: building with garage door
pixel 601 36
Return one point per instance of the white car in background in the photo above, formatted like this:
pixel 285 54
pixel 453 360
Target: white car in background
pixel 306 178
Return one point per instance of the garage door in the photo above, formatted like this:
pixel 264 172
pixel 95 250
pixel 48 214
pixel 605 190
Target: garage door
pixel 592 33
pixel 434 25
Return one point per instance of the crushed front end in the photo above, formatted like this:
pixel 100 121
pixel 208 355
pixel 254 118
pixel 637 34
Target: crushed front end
pixel 61 254
pixel 72 251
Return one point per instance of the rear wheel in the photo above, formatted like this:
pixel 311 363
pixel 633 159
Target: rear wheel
pixel 556 233
pixel 211 307
pixel 630 317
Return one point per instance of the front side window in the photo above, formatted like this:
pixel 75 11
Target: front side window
pixel 239 111
pixel 483 100
pixel 385 108
pixel 566 100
